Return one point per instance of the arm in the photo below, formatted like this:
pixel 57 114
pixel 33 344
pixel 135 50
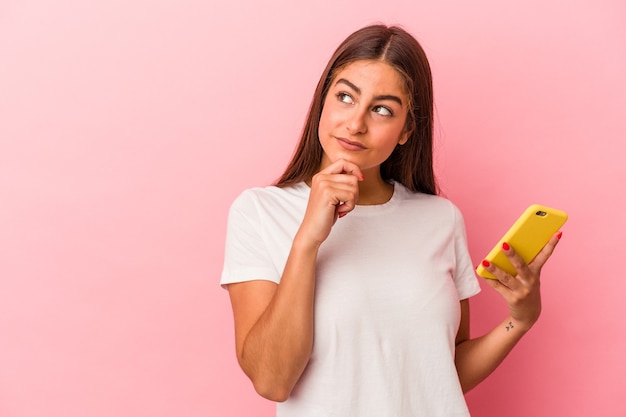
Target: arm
pixel 274 322
pixel 274 325
pixel 478 358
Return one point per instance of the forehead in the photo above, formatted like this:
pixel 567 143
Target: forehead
pixel 377 77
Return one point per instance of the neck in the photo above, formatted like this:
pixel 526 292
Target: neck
pixel 374 190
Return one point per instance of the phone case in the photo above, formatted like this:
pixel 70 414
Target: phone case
pixel 528 235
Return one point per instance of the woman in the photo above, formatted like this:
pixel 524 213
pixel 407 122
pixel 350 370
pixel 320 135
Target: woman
pixel 350 278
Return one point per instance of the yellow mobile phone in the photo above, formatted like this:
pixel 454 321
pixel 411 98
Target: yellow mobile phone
pixel 528 235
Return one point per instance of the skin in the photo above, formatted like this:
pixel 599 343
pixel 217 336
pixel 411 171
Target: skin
pixel 363 120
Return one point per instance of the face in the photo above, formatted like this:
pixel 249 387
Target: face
pixel 364 115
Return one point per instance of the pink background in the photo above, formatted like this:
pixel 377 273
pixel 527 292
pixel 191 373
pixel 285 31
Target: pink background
pixel 127 128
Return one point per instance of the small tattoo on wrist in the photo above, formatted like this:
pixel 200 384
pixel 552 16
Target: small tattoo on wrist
pixel 510 326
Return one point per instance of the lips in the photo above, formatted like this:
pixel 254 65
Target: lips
pixel 350 145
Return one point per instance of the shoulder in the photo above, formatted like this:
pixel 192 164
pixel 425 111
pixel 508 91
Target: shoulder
pixel 263 198
pixel 438 210
pixel 433 204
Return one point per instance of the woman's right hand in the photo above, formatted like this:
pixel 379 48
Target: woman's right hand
pixel 334 193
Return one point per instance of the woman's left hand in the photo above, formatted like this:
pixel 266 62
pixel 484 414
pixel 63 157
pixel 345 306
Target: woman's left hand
pixel 521 292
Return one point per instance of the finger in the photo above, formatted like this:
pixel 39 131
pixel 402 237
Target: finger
pixel 546 252
pixel 324 181
pixel 342 166
pixel 518 263
pixel 346 200
pixel 337 190
pixel 346 179
pixel 339 196
pixel 330 185
pixel 502 289
pixel 501 276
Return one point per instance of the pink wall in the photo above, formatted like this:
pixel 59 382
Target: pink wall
pixel 127 128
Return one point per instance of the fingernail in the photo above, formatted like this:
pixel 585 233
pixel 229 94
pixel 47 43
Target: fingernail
pixel 505 246
pixel 362 176
pixel 486 263
pixel 559 235
pixel 342 215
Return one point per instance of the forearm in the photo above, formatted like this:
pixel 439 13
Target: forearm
pixel 278 346
pixel 478 358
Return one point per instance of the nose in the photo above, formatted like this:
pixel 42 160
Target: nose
pixel 356 124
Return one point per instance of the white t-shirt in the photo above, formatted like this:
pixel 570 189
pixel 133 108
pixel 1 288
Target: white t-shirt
pixel 389 279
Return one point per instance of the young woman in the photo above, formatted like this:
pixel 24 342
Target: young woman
pixel 350 278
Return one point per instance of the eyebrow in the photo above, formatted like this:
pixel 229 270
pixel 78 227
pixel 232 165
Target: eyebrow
pixel 358 91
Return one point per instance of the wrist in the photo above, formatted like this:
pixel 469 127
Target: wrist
pixel 521 326
pixel 301 243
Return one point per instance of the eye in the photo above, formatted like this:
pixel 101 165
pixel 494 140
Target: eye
pixel 345 98
pixel 382 110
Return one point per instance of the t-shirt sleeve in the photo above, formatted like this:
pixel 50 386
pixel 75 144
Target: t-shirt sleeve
pixel 246 257
pixel 464 277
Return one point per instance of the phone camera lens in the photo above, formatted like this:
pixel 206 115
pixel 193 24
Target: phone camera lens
pixel 541 213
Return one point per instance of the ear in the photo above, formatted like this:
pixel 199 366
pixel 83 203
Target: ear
pixel 404 137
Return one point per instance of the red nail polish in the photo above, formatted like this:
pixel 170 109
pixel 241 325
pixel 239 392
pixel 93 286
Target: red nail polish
pixel 486 263
pixel 559 235
pixel 505 246
pixel 342 215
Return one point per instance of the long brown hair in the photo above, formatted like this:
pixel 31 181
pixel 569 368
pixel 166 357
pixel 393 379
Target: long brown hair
pixel 410 164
